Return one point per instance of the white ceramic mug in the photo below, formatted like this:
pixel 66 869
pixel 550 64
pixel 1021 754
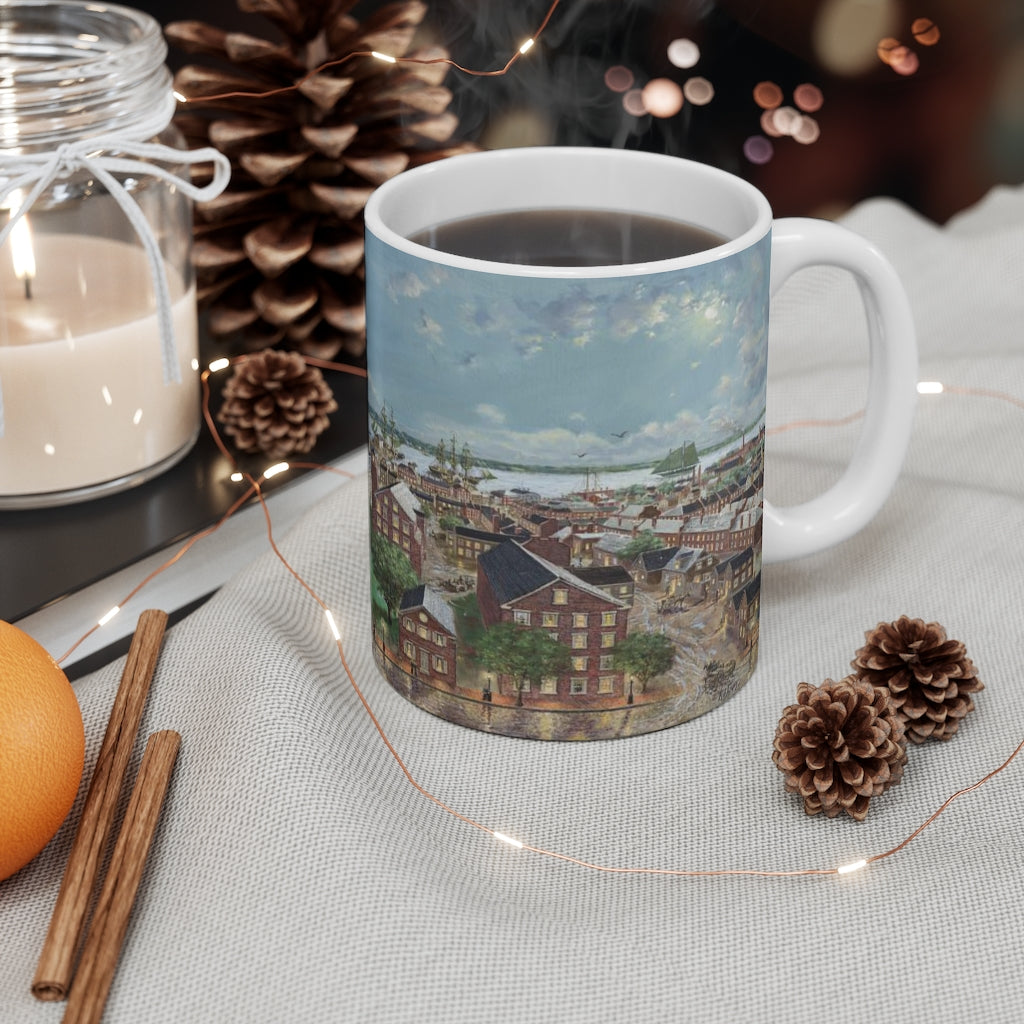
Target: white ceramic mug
pixel 525 420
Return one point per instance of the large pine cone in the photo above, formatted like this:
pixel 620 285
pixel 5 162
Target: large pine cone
pixel 839 745
pixel 930 679
pixel 275 404
pixel 279 255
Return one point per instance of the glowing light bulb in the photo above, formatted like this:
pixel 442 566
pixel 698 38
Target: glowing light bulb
pixel 845 869
pixel 527 45
pixel 332 624
pixel 386 57
pixel 278 467
pixel 219 364
pixel 106 618
pixel 930 387
pixel 511 840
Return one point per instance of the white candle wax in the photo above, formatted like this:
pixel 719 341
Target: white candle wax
pixel 80 368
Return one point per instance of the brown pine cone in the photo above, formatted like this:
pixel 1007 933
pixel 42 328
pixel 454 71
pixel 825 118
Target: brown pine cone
pixel 929 678
pixel 275 404
pixel 841 744
pixel 279 255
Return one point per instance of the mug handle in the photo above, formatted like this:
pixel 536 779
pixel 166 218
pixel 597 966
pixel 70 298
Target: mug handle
pixel 848 505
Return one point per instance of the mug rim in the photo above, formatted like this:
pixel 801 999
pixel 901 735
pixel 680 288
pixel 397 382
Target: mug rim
pixel 390 192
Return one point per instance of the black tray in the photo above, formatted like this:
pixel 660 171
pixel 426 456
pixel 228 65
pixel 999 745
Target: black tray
pixel 48 553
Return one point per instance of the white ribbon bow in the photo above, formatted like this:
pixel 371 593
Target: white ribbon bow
pixel 36 172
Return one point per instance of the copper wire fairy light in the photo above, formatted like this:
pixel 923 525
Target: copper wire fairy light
pixel 254 490
pixel 387 58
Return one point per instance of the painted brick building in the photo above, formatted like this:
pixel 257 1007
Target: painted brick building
pixel 470 544
pixel 426 636
pixel 516 586
pixel 742 615
pixel 397 516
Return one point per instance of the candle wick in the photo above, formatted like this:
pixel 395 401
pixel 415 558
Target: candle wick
pixel 28 286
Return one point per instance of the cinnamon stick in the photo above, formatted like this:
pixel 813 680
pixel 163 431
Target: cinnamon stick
pixel 110 920
pixel 57 959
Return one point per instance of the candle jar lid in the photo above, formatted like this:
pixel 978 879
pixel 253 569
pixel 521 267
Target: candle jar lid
pixel 98 327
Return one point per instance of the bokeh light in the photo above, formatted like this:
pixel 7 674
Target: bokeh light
pixel 633 101
pixel 786 120
pixel 886 47
pixel 845 33
pixel 768 124
pixel 618 78
pixel 662 97
pixel 808 97
pixel 758 150
pixel 926 32
pixel 683 53
pixel 904 61
pixel 807 131
pixel 767 95
pixel 698 91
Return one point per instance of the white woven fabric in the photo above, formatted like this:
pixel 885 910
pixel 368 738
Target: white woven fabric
pixel 297 876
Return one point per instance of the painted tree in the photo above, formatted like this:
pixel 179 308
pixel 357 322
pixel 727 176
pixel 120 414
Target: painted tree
pixel 526 656
pixel 646 541
pixel 392 570
pixel 449 522
pixel 642 656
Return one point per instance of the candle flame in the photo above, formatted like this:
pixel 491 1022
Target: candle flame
pixel 22 252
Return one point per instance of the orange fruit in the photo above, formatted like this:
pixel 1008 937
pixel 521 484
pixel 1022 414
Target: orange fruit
pixel 42 748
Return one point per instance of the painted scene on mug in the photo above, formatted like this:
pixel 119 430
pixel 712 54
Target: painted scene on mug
pixel 566 491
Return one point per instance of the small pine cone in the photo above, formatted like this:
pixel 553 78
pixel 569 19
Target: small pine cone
pixel 930 679
pixel 275 404
pixel 839 745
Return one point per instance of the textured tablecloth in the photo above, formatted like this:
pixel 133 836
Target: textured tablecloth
pixel 297 876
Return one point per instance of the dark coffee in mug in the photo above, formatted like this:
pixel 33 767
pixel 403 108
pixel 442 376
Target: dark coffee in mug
pixel 568 238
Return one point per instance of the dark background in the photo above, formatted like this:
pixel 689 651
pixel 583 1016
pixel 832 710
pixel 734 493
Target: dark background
pixel 937 139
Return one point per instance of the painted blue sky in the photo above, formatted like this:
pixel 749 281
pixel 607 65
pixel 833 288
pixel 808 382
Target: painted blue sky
pixel 538 371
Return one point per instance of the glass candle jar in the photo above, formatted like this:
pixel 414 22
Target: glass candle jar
pixel 98 325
